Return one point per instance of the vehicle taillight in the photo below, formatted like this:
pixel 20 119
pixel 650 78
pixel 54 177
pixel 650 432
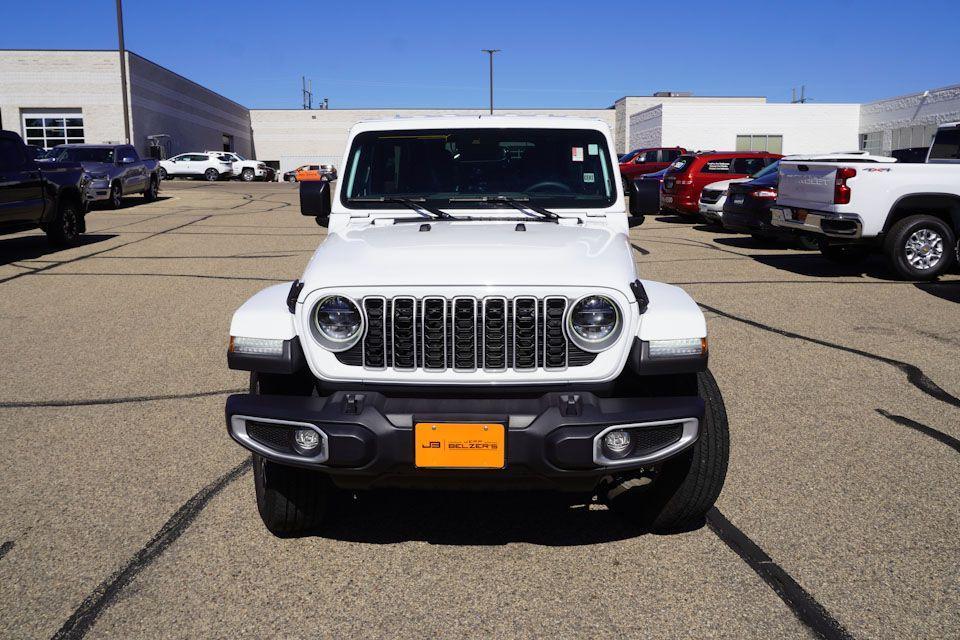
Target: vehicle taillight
pixel 765 194
pixel 841 192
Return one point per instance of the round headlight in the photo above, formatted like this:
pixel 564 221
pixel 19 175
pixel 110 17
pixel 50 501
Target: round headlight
pixel 338 322
pixel 594 323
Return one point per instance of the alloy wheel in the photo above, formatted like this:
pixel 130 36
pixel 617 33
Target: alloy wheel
pixel 924 249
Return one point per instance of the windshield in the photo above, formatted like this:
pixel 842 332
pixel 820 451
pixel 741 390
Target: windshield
pixel 454 168
pixel 767 170
pixel 81 154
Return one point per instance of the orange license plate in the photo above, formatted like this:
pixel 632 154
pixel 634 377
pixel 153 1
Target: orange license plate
pixel 445 445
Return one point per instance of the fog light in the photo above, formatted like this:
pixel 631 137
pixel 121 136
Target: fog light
pixel 617 444
pixel 306 439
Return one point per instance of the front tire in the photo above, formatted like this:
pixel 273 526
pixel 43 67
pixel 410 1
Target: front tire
pixel 247 175
pixel 686 486
pixel 64 229
pixel 162 173
pixel 292 179
pixel 919 247
pixel 291 501
pixel 211 175
pixel 116 196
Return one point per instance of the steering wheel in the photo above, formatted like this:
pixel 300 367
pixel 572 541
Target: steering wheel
pixel 549 183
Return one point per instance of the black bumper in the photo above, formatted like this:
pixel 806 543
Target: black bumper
pixel 549 439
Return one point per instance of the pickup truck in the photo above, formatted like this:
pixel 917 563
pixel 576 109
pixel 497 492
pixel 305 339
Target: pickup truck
pixel 51 196
pixel 247 170
pixel 474 319
pixel 910 212
pixel 114 170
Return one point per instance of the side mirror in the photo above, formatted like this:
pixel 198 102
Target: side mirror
pixel 315 201
pixel 635 219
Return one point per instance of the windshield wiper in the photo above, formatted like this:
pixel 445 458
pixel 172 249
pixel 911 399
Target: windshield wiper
pixel 413 203
pixel 523 204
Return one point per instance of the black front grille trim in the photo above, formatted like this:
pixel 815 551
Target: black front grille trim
pixel 274 436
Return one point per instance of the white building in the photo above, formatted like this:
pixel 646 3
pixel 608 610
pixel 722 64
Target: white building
pixel 54 96
pixel 778 128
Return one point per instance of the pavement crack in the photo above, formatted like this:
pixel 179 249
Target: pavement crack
pixel 106 593
pixel 936 434
pixel 803 605
pixel 5 548
pixel 915 375
pixel 123 400
pixel 640 249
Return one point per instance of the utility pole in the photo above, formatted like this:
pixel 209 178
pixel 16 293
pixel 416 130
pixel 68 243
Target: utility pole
pixel 490 52
pixel 123 72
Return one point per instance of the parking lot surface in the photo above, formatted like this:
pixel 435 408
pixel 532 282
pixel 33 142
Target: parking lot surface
pixel 127 511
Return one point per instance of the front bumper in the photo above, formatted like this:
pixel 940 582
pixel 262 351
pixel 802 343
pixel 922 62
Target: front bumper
pixel 98 190
pixel 834 225
pixel 551 441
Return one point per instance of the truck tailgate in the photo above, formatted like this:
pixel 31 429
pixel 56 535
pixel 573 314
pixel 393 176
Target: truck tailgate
pixel 807 184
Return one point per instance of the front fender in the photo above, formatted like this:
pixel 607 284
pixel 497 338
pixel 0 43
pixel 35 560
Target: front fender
pixel 265 315
pixel 671 315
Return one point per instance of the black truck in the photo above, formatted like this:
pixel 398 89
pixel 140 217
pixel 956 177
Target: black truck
pixel 51 195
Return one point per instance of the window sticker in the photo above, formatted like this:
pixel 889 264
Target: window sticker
pixel 588 177
pixel 593 149
pixel 577 154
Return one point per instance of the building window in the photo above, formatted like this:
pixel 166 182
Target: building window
pixel 50 129
pixel 773 144
pixel 872 143
pixel 227 142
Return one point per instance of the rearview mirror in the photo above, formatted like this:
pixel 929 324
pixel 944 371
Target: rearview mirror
pixel 315 201
pixel 635 219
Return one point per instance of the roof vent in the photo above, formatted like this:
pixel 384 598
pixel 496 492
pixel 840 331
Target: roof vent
pixel 673 94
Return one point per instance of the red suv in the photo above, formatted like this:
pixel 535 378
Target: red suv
pixel 648 160
pixel 689 174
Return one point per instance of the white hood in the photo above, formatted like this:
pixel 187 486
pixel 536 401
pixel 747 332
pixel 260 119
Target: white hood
pixel 458 254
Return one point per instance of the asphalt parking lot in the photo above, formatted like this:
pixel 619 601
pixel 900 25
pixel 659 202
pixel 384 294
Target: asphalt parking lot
pixel 128 512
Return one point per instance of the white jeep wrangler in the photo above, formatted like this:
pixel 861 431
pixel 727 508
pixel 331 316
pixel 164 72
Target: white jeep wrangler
pixel 474 320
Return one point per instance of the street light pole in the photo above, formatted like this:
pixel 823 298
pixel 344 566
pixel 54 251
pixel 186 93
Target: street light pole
pixel 123 72
pixel 490 52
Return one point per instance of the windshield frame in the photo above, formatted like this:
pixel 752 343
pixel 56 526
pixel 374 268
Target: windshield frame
pixel 609 173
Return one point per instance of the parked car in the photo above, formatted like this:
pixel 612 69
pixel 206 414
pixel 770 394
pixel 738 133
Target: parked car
pixel 395 361
pixel 714 195
pixel 908 211
pixel 115 170
pixel 690 173
pixel 309 172
pixel 248 170
pixel 51 196
pixel 646 191
pixel 211 165
pixel 648 160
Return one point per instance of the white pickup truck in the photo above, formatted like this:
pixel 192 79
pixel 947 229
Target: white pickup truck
pixel 909 211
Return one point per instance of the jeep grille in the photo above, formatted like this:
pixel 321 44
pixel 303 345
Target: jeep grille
pixel 465 334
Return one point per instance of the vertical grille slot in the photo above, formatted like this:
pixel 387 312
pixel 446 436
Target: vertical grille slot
pixel 464 334
pixel 434 336
pixel 525 334
pixel 554 342
pixel 404 334
pixel 495 334
pixel 375 340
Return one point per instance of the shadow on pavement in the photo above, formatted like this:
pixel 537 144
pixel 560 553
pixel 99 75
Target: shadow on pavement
pixel 129 202
pixel 471 518
pixel 36 246
pixel 947 290
pixel 676 219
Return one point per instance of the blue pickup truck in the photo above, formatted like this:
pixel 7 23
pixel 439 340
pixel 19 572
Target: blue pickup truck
pixel 115 170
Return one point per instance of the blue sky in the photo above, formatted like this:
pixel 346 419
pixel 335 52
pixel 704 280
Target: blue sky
pixel 555 54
